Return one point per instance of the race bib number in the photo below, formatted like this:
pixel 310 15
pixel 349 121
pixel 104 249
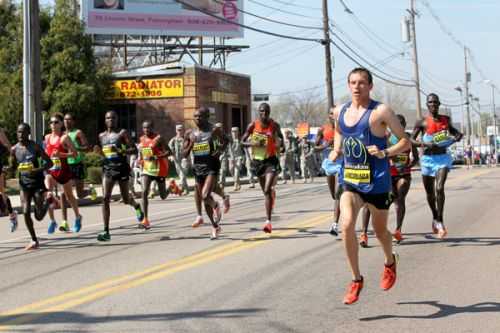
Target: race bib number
pixel 400 160
pixel 56 163
pixel 441 136
pixel 357 174
pixel 201 149
pixel 147 152
pixel 259 153
pixel 25 167
pixel 109 151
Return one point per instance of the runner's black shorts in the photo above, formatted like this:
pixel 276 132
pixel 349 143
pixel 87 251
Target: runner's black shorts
pixel 381 201
pixel 201 171
pixel 269 165
pixel 154 178
pixel 78 171
pixel 120 173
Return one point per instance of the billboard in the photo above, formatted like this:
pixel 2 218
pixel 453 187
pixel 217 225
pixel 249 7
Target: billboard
pixel 147 89
pixel 163 17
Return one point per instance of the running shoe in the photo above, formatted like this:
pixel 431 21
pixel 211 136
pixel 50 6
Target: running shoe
pixel 353 292
pixel 199 221
pixel 334 229
pixel 397 236
pixel 226 203
pixel 389 274
pixel 252 185
pixel 152 195
pixel 139 214
pixel 237 187
pixel 64 227
pixel 145 224
pixel 32 246
pixel 442 232
pixel 13 221
pixel 77 226
pixel 434 227
pixel 363 240
pixel 268 228
pixel 217 213
pixel 104 237
pixel 52 227
pixel 93 193
pixel 215 232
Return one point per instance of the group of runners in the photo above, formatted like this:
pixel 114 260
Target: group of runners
pixel 367 157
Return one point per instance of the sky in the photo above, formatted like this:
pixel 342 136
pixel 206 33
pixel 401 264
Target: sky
pixel 278 66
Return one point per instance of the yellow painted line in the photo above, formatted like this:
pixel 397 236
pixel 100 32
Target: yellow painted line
pixel 100 290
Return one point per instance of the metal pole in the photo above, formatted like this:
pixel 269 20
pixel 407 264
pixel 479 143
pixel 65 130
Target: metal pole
pixel 463 118
pixel 416 75
pixel 26 62
pixel 328 55
pixel 494 120
pixel 467 103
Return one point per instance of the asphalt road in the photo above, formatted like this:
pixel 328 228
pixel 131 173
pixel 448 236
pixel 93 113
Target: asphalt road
pixel 174 279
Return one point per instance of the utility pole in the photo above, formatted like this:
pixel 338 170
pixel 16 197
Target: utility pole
pixel 467 97
pixel 416 75
pixel 36 81
pixel 32 98
pixel 27 61
pixel 328 55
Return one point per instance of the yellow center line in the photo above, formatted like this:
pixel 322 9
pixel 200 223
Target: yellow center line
pixel 87 294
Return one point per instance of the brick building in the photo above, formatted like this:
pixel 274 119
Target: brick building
pixel 169 96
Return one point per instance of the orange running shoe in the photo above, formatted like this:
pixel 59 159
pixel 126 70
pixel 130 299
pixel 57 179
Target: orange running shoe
pixel 389 274
pixel 145 224
pixel 268 228
pixel 199 221
pixel 363 240
pixel 32 246
pixel 353 293
pixel 398 236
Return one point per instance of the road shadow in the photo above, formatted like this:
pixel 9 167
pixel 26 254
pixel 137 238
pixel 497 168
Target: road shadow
pixel 454 241
pixel 442 310
pixel 69 317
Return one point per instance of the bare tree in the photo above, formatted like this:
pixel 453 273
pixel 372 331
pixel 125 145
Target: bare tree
pixel 292 109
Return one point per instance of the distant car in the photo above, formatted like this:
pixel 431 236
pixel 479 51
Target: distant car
pixel 458 158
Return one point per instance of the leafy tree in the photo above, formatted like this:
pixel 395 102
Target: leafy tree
pixel 11 98
pixel 72 80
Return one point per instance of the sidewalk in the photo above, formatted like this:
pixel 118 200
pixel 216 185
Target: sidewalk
pixel 16 199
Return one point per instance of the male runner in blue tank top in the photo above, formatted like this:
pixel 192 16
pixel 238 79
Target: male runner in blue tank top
pixel 362 124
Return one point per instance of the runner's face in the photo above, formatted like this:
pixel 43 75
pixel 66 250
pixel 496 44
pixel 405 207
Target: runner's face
pixel 110 120
pixel 200 118
pixel 433 104
pixel 331 117
pixel 147 129
pixel 68 122
pixel 180 132
pixel 55 124
pixel 359 86
pixel 264 113
pixel 22 133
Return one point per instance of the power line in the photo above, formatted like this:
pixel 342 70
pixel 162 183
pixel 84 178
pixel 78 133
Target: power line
pixel 283 11
pixel 366 61
pixel 272 20
pixel 246 26
pixel 377 40
pixel 290 3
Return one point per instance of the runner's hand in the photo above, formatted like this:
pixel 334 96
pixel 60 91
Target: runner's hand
pixel 334 155
pixel 374 151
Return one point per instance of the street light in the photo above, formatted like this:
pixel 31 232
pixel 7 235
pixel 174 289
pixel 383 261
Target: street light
pixel 480 125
